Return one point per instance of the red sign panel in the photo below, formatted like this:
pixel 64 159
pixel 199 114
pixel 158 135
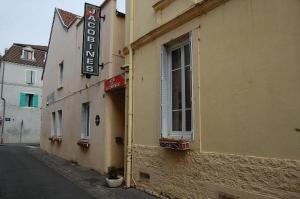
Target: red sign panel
pixel 114 83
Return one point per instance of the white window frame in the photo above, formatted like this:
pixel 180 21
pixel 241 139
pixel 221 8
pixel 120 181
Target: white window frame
pixel 35 77
pixel 166 91
pixel 85 120
pixel 28 49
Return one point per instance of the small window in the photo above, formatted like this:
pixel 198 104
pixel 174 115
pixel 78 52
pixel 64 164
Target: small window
pixel 53 124
pixel 85 120
pixel 61 74
pixel 30 76
pixel 176 90
pixel 59 129
pixel 29 100
pixel 28 54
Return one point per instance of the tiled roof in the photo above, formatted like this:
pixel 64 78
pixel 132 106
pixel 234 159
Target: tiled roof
pixel 66 17
pixel 38 47
pixel 14 54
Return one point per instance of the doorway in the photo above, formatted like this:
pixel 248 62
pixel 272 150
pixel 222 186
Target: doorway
pixel 117 127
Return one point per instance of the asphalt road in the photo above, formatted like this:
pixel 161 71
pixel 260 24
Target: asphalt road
pixel 24 177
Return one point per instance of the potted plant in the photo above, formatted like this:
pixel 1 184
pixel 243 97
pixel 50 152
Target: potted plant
pixel 113 179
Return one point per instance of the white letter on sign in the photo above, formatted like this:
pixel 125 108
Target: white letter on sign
pixel 89 53
pixel 91 25
pixel 91 39
pixel 89 61
pixel 92 18
pixel 89 68
pixel 91 32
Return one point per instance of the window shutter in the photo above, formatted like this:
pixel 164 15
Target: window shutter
pixel 28 76
pixel 22 100
pixel 36 101
pixel 164 92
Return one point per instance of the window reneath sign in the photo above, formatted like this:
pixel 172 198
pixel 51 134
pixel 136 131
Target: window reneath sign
pixel 91 35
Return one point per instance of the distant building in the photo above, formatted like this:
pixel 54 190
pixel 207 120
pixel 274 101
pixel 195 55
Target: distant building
pixel 23 65
pixel 82 120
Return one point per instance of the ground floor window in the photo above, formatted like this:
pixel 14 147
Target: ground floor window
pixel 176 89
pixel 59 117
pixel 53 124
pixel 85 120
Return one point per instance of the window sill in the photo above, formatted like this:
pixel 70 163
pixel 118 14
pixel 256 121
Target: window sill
pixel 84 143
pixel 57 139
pixel 29 107
pixel 25 59
pixel 175 144
pixel 52 139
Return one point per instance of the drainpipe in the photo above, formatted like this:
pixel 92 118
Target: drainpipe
pixel 3 99
pixel 130 102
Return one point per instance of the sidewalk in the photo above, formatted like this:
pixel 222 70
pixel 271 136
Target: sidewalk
pixel 87 179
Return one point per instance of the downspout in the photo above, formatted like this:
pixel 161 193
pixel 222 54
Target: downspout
pixel 130 101
pixel 3 99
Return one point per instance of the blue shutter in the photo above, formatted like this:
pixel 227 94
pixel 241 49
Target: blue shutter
pixel 22 100
pixel 36 101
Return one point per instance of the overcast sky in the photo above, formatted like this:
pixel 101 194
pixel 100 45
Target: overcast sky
pixel 29 21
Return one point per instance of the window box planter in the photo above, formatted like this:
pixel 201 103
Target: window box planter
pixel 58 139
pixel 84 143
pixel 52 139
pixel 171 143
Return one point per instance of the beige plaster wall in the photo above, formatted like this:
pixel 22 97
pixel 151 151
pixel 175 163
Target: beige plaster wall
pixel 250 78
pixel 67 46
pixel 196 175
pixel 146 18
pixel 245 80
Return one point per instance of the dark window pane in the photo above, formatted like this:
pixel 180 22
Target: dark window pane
pixel 176 89
pixel 187 55
pixel 188 87
pixel 176 59
pixel 188 120
pixel 176 120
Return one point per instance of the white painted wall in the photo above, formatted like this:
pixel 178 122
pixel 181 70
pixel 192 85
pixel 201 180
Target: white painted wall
pixel 14 84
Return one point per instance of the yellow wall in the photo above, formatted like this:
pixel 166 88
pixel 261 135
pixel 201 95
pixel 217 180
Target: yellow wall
pixel 246 79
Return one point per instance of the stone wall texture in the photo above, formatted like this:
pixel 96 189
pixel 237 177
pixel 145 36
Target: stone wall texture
pixel 194 174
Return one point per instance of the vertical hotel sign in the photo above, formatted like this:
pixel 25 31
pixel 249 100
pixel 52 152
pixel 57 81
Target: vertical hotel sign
pixel 91 35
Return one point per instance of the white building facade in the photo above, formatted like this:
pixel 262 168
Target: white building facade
pixel 23 65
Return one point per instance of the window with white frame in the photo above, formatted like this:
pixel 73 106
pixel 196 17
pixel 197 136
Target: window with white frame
pixel 176 90
pixel 85 120
pixel 28 53
pixel 30 76
pixel 59 129
pixel 53 124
